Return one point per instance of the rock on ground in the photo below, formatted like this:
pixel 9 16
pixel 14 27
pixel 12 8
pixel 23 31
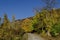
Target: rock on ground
pixel 30 36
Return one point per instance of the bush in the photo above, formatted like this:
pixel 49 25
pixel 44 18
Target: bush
pixel 55 29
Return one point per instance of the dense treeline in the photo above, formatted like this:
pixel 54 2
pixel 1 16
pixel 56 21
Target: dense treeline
pixel 44 22
pixel 10 30
pixel 47 22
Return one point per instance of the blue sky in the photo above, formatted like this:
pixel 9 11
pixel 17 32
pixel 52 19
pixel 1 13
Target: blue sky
pixel 20 8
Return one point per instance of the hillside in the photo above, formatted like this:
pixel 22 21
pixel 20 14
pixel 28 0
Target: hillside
pixel 45 23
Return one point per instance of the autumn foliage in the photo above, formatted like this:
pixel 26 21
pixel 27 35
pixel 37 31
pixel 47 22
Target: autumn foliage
pixel 44 22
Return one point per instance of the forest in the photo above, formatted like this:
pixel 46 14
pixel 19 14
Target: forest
pixel 45 22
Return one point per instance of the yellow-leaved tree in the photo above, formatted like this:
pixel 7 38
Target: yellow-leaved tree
pixel 26 25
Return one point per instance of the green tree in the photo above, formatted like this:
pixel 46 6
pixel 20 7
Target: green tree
pixel 13 22
pixel 55 29
pixel 6 22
